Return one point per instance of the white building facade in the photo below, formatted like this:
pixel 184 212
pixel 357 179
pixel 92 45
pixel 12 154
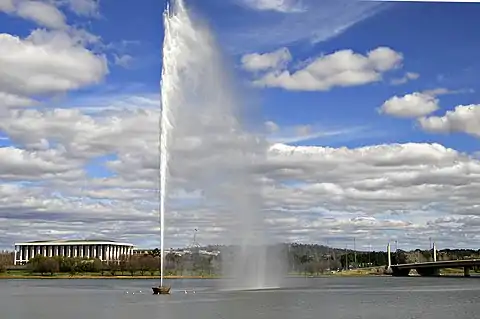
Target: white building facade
pixel 103 250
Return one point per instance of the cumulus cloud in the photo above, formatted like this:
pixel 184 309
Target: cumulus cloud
pixel 260 62
pixel 271 127
pixel 8 100
pixel 412 105
pixel 92 171
pixel 23 165
pixel 124 60
pixel 342 68
pixel 7 6
pixel 463 119
pixel 309 193
pixel 404 79
pixel 47 62
pixel 43 13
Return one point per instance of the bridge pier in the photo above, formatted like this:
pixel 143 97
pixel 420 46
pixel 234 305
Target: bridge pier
pixel 428 272
pixel 396 272
pixel 466 271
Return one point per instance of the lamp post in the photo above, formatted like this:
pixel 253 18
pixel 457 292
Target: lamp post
pixel 396 251
pixel 354 253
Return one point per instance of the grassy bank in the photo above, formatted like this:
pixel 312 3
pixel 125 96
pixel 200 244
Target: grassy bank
pixel 22 274
pixel 25 274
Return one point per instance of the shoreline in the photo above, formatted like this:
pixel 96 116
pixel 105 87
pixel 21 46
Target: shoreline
pixel 66 276
pixel 350 273
pixel 170 277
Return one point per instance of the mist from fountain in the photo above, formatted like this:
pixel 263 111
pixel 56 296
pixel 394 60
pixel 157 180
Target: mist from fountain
pixel 202 111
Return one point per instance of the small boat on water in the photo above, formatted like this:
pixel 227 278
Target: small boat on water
pixel 161 290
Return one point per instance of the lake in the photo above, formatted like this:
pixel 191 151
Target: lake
pixel 329 298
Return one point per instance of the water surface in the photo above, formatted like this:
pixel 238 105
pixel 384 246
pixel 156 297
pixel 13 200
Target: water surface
pixel 329 298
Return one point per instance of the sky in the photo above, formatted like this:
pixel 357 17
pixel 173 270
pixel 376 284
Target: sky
pixel 370 109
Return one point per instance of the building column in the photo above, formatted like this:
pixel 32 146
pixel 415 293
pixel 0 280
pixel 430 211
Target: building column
pixel 50 251
pixel 15 256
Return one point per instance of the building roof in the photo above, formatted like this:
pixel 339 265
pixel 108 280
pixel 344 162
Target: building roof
pixel 74 242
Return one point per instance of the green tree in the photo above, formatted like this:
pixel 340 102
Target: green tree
pixel 3 268
pixel 132 265
pixel 122 265
pixel 144 263
pixel 113 267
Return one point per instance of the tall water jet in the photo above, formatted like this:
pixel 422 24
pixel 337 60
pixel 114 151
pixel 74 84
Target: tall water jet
pixel 165 127
pixel 205 146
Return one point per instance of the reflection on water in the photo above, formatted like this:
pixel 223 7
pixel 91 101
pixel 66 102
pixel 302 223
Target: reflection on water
pixel 328 298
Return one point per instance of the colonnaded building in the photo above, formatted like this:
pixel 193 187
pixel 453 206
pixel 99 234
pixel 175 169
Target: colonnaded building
pixel 105 250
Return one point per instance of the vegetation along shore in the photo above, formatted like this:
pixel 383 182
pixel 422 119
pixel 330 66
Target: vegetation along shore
pixel 301 260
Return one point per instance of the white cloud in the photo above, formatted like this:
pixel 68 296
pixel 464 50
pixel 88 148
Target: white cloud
pixel 380 191
pixel 11 100
pixel 18 164
pixel 84 7
pixel 271 127
pixel 305 133
pixel 404 79
pixel 123 60
pixel 43 13
pixel 464 119
pixel 284 6
pixel 7 6
pixel 445 91
pixel 308 193
pixel 412 105
pixel 341 68
pixel 261 62
pixel 317 21
pixel 47 62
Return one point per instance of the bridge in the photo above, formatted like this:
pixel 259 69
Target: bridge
pixel 430 268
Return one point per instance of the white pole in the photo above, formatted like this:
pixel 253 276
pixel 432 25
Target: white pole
pixel 389 256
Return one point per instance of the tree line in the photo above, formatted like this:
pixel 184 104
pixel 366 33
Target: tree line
pixel 147 264
pixel 299 258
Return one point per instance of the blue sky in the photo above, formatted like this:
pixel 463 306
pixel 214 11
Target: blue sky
pixel 330 79
pixel 441 53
